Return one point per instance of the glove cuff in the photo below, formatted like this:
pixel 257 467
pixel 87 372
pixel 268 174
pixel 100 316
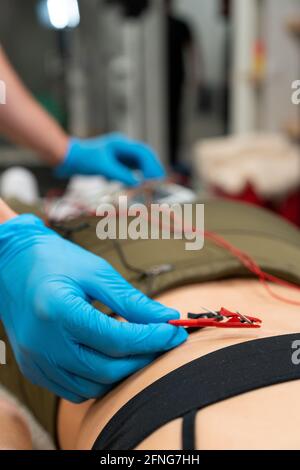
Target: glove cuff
pixel 67 168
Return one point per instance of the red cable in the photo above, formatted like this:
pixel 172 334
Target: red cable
pixel 251 265
pixel 244 258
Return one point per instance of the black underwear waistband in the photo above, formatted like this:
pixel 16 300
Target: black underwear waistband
pixel 210 379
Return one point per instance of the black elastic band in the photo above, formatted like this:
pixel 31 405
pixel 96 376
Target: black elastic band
pixel 189 431
pixel 210 379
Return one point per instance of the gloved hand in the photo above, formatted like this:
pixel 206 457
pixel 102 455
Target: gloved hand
pixel 60 340
pixel 114 156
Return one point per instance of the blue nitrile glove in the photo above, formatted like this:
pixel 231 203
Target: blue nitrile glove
pixel 114 156
pixel 60 340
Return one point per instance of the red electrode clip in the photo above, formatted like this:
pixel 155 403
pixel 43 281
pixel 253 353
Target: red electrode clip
pixel 222 319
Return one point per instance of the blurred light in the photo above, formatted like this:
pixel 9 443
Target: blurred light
pixel 59 14
pixel 63 13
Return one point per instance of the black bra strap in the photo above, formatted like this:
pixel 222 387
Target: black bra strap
pixel 189 431
pixel 210 379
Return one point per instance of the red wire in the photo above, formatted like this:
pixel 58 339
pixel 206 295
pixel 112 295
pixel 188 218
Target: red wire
pixel 250 264
pixel 253 267
pixel 243 257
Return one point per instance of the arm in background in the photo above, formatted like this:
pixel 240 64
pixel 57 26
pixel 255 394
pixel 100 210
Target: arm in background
pixel 25 122
pixel 115 156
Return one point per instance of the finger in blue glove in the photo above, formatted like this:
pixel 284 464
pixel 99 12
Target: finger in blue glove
pixel 60 340
pixel 114 156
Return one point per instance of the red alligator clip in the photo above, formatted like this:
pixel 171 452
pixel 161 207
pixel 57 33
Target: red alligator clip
pixel 222 319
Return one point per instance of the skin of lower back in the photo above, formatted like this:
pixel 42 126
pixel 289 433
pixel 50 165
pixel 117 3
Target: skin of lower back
pixel 260 416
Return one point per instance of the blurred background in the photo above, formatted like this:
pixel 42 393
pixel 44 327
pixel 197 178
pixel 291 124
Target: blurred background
pixel 207 83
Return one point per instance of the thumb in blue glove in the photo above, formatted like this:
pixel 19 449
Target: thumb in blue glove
pixel 60 340
pixel 114 156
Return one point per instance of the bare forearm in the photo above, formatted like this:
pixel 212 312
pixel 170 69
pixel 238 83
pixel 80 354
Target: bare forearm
pixel 6 213
pixel 14 433
pixel 25 122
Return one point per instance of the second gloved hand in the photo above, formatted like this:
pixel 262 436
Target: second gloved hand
pixel 113 156
pixel 60 340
